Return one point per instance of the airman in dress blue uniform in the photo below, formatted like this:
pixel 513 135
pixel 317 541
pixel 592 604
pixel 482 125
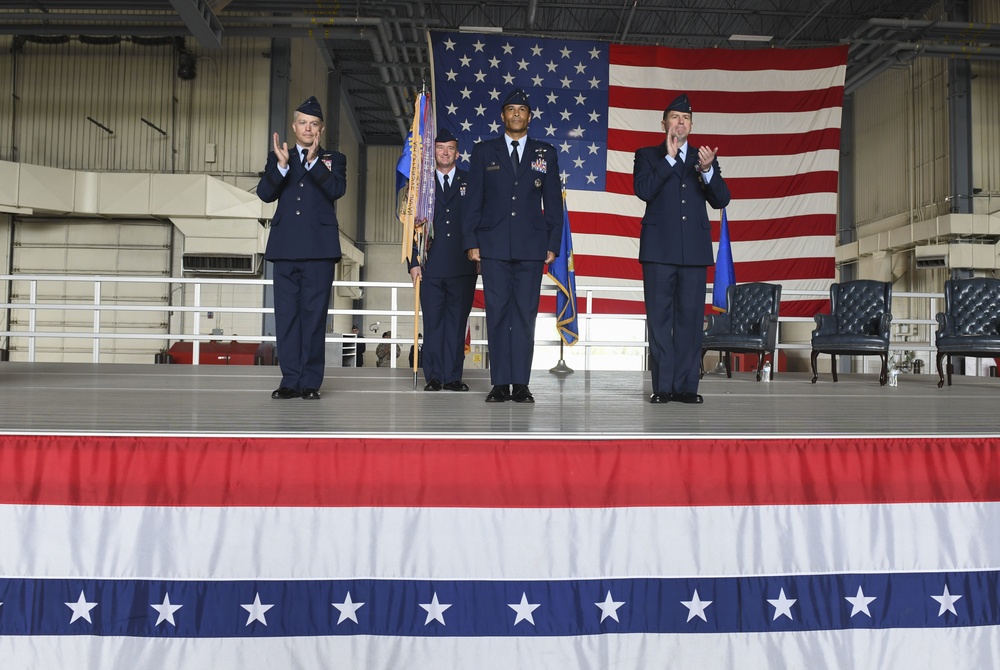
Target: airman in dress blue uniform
pixel 448 277
pixel 676 181
pixel 513 226
pixel 304 245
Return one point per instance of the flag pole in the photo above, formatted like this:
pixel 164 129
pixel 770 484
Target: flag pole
pixel 416 325
pixel 561 368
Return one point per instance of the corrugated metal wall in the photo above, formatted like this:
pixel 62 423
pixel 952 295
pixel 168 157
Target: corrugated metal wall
pixel 901 144
pixel 6 100
pixel 123 107
pixel 986 136
pixel 381 224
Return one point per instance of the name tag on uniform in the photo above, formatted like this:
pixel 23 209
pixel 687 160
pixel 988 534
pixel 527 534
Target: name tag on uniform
pixel 490 168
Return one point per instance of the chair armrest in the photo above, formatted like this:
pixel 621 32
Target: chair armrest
pixel 826 324
pixel 883 325
pixel 719 324
pixel 946 324
pixel 768 329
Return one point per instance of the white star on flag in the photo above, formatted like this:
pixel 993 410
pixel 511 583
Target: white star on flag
pixel 524 610
pixel 256 610
pixel 609 608
pixel 166 611
pixel 947 602
pixel 696 607
pixel 782 606
pixel 435 610
pixel 81 609
pixel 348 609
pixel 860 603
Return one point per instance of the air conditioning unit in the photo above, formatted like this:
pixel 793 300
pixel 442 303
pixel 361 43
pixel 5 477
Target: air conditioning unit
pixel 931 257
pixel 223 264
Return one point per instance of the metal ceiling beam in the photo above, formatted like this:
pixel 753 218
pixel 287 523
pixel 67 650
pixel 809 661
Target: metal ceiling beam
pixel 201 21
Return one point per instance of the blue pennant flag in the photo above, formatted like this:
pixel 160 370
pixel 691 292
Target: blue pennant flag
pixel 563 274
pixel 725 273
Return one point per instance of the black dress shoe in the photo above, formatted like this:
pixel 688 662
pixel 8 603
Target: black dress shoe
pixel 499 393
pixel 310 394
pixel 284 393
pixel 687 398
pixel 432 385
pixel 457 386
pixel 522 394
pixel 659 398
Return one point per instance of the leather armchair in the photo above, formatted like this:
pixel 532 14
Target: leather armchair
pixel 749 327
pixel 970 322
pixel 857 325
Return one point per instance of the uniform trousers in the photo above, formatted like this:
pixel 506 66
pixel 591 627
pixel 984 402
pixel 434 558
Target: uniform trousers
pixel 511 290
pixel 446 303
pixel 301 300
pixel 675 315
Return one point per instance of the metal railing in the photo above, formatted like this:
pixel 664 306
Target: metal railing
pixel 393 314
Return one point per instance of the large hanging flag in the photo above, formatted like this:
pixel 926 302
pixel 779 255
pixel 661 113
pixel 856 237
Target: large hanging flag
pixel 415 182
pixel 774 114
pixel 725 273
pixel 563 273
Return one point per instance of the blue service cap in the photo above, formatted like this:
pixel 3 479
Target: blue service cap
pixel 516 97
pixel 311 107
pixel 679 104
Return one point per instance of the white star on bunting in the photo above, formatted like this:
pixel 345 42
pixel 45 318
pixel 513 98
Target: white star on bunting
pixel 860 603
pixel 435 610
pixel 609 608
pixel 696 607
pixel 256 610
pixel 947 602
pixel 81 609
pixel 348 609
pixel 524 610
pixel 782 606
pixel 166 611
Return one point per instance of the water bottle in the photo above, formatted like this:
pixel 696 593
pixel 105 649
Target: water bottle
pixel 766 372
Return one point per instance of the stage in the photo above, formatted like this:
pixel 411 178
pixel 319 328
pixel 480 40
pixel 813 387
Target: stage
pixel 176 516
pixel 110 399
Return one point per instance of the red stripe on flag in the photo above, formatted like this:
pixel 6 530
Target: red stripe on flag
pixel 728 59
pixel 807 225
pixel 725 102
pixel 746 188
pixel 154 471
pixel 734 145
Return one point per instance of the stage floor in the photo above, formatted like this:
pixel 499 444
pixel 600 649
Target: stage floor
pixel 115 399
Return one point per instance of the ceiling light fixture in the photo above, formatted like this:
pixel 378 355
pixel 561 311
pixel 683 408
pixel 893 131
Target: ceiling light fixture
pixel 751 38
pixel 480 29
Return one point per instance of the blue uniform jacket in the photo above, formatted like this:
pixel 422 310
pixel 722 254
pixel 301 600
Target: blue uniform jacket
pixel 675 226
pixel 305 222
pixel 513 217
pixel 447 257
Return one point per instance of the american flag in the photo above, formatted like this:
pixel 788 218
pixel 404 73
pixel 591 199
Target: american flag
pixel 261 553
pixel 774 114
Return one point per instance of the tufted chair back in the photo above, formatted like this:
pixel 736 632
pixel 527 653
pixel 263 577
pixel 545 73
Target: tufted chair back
pixel 974 304
pixel 750 326
pixel 858 307
pixel 749 302
pixel 970 324
pixel 858 324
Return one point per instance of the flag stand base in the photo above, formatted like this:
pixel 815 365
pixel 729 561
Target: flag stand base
pixel 561 368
